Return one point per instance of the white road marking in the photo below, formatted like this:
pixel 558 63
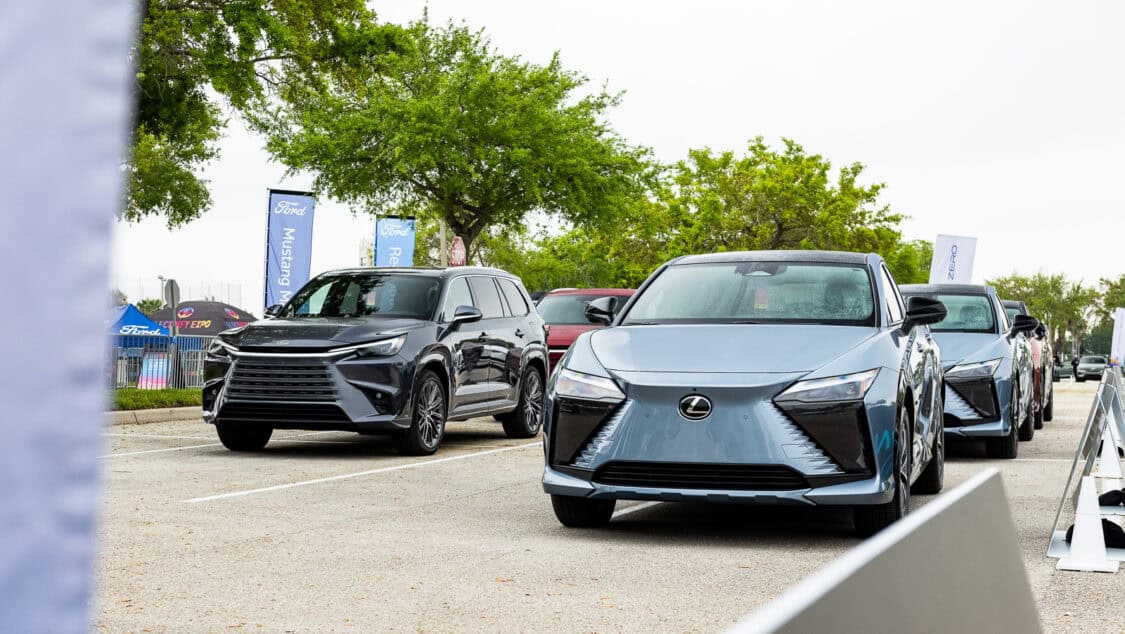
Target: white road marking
pixel 633 509
pixel 345 476
pixel 137 453
pixel 293 438
pixel 1042 460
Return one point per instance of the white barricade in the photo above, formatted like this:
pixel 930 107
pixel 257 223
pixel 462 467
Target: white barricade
pixel 946 567
pixel 1087 551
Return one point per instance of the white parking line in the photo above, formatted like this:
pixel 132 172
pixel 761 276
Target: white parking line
pixel 345 476
pixel 1042 460
pixel 633 509
pixel 137 453
pixel 293 438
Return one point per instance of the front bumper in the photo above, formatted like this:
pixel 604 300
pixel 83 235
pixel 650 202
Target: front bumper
pixel 361 394
pixel 973 409
pixel 748 451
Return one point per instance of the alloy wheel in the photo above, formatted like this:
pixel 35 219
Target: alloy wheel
pixel 903 451
pixel 431 414
pixel 533 402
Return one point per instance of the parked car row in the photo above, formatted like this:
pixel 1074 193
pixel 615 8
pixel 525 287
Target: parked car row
pixel 771 377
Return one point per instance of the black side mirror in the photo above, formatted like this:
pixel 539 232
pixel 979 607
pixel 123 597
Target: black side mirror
pixel 466 314
pixel 273 311
pixel 1040 331
pixel 922 311
pixel 600 310
pixel 1025 324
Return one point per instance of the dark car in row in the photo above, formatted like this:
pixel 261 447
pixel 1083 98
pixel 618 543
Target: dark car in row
pixel 385 350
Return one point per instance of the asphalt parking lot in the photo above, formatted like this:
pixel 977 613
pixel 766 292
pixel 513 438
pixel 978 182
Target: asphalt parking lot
pixel 336 532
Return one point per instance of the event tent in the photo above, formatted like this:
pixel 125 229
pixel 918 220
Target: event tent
pixel 129 320
pixel 202 318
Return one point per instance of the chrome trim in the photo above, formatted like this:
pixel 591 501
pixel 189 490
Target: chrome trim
pixel 331 352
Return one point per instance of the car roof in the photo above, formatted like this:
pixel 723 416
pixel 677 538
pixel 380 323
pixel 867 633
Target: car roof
pixel 950 289
pixel 592 291
pixel 423 271
pixel 793 255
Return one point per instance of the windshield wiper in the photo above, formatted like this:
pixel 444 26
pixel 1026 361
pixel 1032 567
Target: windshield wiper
pixel 640 323
pixel 745 321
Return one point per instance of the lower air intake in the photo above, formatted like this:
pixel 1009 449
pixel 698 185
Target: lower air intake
pixel 677 475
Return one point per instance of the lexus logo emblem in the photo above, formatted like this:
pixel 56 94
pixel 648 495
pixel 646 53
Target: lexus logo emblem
pixel 695 407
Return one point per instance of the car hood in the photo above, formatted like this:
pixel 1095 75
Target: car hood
pixel 724 347
pixel 957 347
pixel 562 335
pixel 320 332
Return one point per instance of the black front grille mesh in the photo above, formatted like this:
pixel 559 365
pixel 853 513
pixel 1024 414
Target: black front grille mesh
pixel 280 381
pixel 687 475
pixel 288 413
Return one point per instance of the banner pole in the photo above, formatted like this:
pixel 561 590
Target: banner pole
pixel 444 259
pixel 266 261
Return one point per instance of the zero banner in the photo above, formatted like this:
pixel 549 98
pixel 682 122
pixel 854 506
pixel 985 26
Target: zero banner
pixel 953 260
pixel 1117 346
pixel 288 244
pixel 394 241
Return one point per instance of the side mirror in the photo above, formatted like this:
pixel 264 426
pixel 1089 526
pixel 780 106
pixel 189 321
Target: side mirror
pixel 922 311
pixel 600 310
pixel 466 314
pixel 1025 324
pixel 273 311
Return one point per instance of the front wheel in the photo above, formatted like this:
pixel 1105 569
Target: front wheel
pixel 1027 425
pixel 933 478
pixel 872 519
pixel 427 422
pixel 243 436
pixel 526 420
pixel 582 512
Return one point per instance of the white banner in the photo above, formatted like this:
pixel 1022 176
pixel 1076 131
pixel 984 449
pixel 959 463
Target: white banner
pixel 953 260
pixel 1117 346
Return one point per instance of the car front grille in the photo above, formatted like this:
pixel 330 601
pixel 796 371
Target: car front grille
pixel 282 380
pixel 673 475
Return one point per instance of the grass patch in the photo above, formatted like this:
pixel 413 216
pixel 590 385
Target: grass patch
pixel 132 398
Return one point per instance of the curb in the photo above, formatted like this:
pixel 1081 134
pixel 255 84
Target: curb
pixel 163 415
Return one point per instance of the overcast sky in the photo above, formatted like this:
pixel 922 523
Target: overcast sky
pixel 1004 121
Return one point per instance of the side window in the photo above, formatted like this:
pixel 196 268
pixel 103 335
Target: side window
pixel 457 295
pixel 894 301
pixel 515 298
pixel 488 298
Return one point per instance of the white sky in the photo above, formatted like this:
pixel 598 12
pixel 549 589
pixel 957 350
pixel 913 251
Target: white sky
pixel 1004 121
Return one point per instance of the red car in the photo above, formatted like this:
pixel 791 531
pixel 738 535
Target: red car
pixel 564 311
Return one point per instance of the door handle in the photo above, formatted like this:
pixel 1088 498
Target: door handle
pixel 519 333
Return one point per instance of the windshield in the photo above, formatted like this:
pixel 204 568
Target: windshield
pixel 1012 312
pixel 757 292
pixel 966 313
pixel 1092 360
pixel 570 309
pixel 363 294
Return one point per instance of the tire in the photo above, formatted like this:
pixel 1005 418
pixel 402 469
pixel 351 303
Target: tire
pixel 1049 411
pixel 874 518
pixel 582 512
pixel 1080 379
pixel 1005 447
pixel 427 420
pixel 933 478
pixel 243 436
pixel 1027 425
pixel 1037 418
pixel 526 419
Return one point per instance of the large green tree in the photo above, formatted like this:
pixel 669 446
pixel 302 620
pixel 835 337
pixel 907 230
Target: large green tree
pixel 452 129
pixel 1064 305
pixel 195 55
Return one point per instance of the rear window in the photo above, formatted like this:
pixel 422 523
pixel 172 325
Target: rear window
pixel 966 313
pixel 569 309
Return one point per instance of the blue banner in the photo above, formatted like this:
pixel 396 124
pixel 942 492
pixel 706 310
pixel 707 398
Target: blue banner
pixel 394 242
pixel 288 244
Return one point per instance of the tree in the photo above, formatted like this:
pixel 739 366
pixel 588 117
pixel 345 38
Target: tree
pixel 190 52
pixel 909 262
pixel 1112 297
pixel 1063 305
pixel 150 305
pixel 453 130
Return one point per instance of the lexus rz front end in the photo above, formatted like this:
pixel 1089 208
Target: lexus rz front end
pixel 788 377
pixel 382 351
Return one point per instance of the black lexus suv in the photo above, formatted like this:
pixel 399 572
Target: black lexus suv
pixel 384 350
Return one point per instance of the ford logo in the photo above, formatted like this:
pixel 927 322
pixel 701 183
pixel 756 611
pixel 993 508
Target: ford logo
pixel 695 407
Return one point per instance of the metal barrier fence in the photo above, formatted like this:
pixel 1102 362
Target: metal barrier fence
pixel 154 363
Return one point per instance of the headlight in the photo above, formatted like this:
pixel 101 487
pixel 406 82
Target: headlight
pixel 587 387
pixel 973 370
pixel 846 387
pixel 220 348
pixel 384 348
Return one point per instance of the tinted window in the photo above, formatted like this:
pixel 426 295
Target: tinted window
pixel 362 294
pixel 488 300
pixel 515 298
pixel 569 309
pixel 456 295
pixel 894 302
pixel 1012 312
pixel 768 292
pixel 966 313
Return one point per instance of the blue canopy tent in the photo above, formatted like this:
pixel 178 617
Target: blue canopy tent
pixel 129 320
pixel 137 342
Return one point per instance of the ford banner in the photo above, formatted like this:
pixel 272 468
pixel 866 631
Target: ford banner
pixel 288 244
pixel 394 241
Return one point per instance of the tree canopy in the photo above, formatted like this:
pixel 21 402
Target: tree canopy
pixel 1063 305
pixel 448 127
pixel 194 55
